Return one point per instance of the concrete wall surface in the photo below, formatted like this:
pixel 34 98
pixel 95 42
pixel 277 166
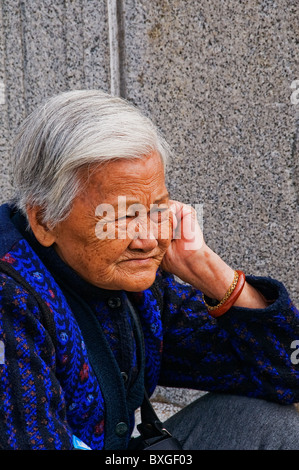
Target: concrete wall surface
pixel 216 77
pixel 219 78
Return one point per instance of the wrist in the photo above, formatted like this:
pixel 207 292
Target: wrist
pixel 206 271
pixel 210 274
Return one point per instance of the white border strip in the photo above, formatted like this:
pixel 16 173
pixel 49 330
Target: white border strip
pixel 114 47
pixel 2 92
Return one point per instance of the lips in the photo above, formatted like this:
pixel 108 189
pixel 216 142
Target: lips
pixel 140 259
pixel 151 256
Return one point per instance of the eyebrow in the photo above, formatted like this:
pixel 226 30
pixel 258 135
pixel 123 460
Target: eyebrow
pixel 162 198
pixel 130 202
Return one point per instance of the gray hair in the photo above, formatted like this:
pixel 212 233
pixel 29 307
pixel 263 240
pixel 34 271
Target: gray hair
pixel 68 131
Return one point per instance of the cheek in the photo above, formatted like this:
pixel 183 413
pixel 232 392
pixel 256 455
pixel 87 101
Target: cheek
pixel 163 245
pixel 107 252
pixel 164 240
pixel 166 232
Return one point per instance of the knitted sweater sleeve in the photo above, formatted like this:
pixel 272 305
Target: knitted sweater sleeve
pixel 246 351
pixel 32 409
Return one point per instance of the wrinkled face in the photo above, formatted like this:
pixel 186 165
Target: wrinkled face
pixel 118 230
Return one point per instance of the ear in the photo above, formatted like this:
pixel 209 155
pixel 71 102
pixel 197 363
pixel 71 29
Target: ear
pixel 43 234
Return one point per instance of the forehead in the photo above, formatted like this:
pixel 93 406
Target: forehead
pixel 138 180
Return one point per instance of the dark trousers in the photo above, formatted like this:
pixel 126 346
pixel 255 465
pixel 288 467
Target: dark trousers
pixel 229 422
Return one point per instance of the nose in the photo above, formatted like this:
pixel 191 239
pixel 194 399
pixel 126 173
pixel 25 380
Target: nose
pixel 144 244
pixel 143 240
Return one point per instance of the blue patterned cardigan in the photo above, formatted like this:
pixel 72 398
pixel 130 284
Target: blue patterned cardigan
pixel 49 387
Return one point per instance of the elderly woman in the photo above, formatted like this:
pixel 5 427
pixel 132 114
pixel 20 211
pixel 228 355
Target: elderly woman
pixel 91 313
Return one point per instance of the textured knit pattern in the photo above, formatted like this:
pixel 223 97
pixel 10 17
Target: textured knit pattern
pixel 49 394
pixel 244 352
pixel 60 380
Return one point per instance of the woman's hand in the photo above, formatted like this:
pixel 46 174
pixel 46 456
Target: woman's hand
pixel 189 258
pixel 187 237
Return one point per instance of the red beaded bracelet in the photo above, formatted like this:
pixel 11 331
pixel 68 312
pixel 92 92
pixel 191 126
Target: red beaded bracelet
pixel 223 307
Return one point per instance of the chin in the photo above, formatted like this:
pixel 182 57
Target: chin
pixel 138 283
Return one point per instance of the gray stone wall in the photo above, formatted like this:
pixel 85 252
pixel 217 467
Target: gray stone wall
pixel 217 77
pixel 47 47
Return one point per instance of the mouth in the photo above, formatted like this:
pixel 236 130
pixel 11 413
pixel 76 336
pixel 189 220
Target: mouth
pixel 140 260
